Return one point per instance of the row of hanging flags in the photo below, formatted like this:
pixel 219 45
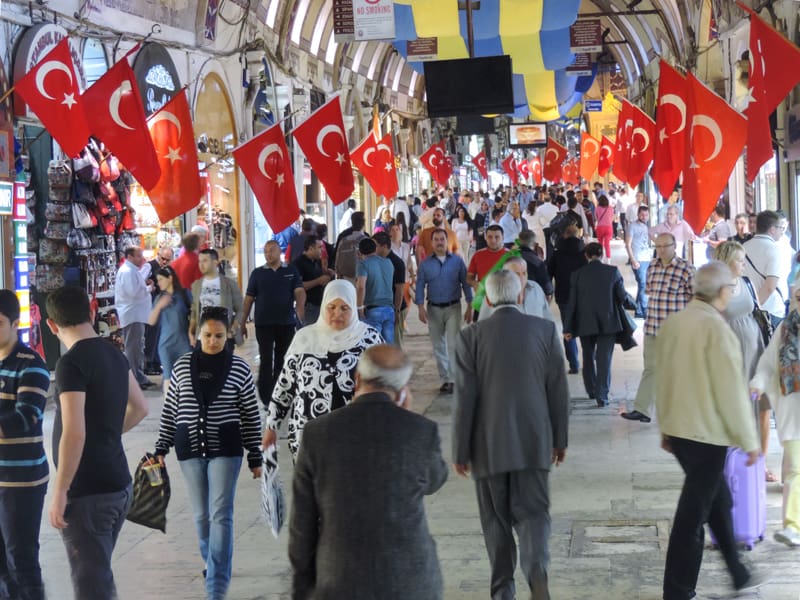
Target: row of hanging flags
pixel 695 134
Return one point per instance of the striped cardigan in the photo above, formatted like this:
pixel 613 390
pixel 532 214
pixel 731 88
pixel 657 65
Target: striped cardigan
pixel 221 428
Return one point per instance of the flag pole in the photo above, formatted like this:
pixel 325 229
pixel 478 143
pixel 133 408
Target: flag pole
pixel 7 94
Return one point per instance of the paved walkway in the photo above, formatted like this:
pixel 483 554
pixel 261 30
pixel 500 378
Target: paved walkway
pixel 612 504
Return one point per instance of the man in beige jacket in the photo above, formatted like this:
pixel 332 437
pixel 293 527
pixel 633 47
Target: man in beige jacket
pixel 703 407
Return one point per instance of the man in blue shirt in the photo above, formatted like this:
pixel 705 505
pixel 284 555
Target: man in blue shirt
pixel 445 276
pixel 375 289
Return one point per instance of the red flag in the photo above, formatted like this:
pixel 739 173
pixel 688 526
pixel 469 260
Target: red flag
pixel 51 91
pixel 322 140
pixel 554 155
pixel 571 171
pixel 266 165
pixel 524 168
pixel 365 161
pixel 114 107
pixel 774 72
pixel 535 165
pixel 179 189
pixel 385 158
pixel 642 137
pixel 623 141
pixel 590 155
pixel 606 159
pixel 715 141
pixel 432 160
pixel 510 167
pixel 670 143
pixel 446 168
pixel 480 163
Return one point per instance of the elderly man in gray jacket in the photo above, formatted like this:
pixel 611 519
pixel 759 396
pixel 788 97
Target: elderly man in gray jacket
pixel 358 529
pixel 510 425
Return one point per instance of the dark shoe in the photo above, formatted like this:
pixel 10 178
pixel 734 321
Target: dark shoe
pixel 574 371
pixel 153 371
pixel 447 388
pixel 602 403
pixel 755 581
pixel 635 415
pixel 148 386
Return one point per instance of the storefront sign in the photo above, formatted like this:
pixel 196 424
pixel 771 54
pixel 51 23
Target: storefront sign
pixel 373 20
pixel 20 210
pixel 156 76
pixel 20 238
pixel 6 198
pixel 21 273
pixel 34 45
pixel 422 49
pixel 581 66
pixel 343 22
pixel 585 36
pixel 593 106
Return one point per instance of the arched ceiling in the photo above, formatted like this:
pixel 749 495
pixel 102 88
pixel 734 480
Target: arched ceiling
pixel 637 35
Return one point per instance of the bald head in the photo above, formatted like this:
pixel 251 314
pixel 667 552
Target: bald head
pixel 385 368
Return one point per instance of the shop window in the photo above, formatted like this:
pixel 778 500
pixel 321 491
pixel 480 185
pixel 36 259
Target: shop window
pixel 767 187
pixel 95 63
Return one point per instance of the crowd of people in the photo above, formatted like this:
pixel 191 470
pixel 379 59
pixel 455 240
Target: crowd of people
pixel 486 274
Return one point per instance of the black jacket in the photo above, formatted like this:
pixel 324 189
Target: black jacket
pixel 594 295
pixel 568 257
pixel 537 270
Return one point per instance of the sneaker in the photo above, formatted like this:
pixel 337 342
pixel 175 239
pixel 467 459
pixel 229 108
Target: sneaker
pixel 788 536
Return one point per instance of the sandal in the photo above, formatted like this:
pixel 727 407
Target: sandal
pixel 771 477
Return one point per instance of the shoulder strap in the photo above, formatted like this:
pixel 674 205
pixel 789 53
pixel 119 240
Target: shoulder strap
pixel 750 287
pixel 764 277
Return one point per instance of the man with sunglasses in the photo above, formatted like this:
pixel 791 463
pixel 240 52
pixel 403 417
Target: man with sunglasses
pixel 152 364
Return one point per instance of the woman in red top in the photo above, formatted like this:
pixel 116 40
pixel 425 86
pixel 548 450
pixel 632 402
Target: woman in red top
pixel 604 227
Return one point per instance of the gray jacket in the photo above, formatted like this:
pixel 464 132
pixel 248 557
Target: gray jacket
pixel 512 400
pixel 230 298
pixel 358 528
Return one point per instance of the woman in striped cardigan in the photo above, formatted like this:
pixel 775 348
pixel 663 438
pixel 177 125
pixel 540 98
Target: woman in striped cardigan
pixel 210 415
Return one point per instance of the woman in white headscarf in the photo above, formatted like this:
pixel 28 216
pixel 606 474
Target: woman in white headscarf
pixel 319 370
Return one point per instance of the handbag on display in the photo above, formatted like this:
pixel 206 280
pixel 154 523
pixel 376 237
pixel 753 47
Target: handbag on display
pixel 82 218
pixel 78 239
pixel 56 230
pixel 109 169
pixel 83 192
pixel 151 494
pixel 59 173
pixel 86 168
pixel 55 211
pixel 62 195
pixel 53 252
pixel 49 277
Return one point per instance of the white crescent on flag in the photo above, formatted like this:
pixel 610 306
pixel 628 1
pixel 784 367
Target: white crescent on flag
pixel 113 103
pixel 713 127
pixel 264 155
pixel 324 132
pixel 45 69
pixel 164 115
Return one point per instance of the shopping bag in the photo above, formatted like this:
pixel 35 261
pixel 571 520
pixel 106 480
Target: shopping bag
pixel 272 502
pixel 151 493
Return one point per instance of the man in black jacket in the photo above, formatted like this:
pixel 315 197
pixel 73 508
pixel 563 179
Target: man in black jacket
pixel 537 270
pixel 363 471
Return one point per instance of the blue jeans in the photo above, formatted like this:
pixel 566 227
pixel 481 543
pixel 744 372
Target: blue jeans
pixel 93 526
pixel 570 346
pixel 20 517
pixel 641 298
pixel 211 484
pixel 382 319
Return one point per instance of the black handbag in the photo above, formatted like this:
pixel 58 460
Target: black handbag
pixel 149 505
pixel 762 317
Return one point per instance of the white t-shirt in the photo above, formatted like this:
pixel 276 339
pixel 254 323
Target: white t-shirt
pixel 764 254
pixel 210 293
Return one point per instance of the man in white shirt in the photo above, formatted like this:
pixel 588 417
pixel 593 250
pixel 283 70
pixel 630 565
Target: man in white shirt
pixel 346 221
pixel 763 265
pixel 400 206
pixel 132 301
pixel 544 215
pixel 511 222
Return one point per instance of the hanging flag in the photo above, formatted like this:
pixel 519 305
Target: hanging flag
pixel 321 138
pixel 480 163
pixel 51 91
pixel 385 159
pixel 179 188
pixel 641 155
pixel 365 161
pixel 670 142
pixel 590 155
pixel 535 165
pixel 524 169
pixel 571 171
pixel 554 156
pixel 446 168
pixel 606 159
pixel 622 143
pixel 266 165
pixel 433 160
pixel 510 167
pixel 774 72
pixel 113 106
pixel 715 140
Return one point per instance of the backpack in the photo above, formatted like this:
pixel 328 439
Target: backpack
pixel 347 254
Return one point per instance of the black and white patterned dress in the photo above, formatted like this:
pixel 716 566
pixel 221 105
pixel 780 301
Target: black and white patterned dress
pixel 311 385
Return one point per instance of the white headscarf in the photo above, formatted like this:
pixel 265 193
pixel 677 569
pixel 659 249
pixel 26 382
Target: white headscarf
pixel 321 338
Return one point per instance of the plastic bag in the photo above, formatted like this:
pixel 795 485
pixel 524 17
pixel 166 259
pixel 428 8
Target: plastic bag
pixel 149 505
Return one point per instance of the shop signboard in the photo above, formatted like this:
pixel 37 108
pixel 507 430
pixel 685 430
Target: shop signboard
pixel 343 22
pixel 6 198
pixel 373 20
pixel 581 66
pixel 20 238
pixel 21 273
pixel 593 106
pixel 585 35
pixel 156 76
pixel 422 49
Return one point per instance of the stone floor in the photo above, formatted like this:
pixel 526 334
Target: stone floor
pixel 612 505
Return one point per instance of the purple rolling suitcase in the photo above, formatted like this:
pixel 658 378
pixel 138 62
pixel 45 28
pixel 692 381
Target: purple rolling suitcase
pixel 749 492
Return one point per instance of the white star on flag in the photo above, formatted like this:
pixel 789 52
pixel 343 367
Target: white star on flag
pixel 279 179
pixel 173 155
pixel 749 97
pixel 340 158
pixel 69 100
pixel 388 167
pixel 693 164
pixel 662 135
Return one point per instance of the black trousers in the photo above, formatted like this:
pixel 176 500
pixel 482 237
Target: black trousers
pixel 705 498
pixel 273 342
pixel 20 517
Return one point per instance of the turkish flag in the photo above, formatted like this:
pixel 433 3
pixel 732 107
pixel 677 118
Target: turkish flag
pixel 480 163
pixel 535 165
pixel 716 138
pixel 606 158
pixel 179 189
pixel 571 171
pixel 642 137
pixel 554 155
pixel 524 169
pixel 322 140
pixel 266 165
pixel 623 141
pixel 385 159
pixel 50 89
pixel 770 54
pixel 670 143
pixel 114 108
pixel 446 168
pixel 363 156
pixel 432 160
pixel 510 167
pixel 590 155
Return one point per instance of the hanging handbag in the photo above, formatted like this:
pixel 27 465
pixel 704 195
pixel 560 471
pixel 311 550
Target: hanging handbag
pixel 53 252
pixel 56 230
pixel 82 218
pixel 78 239
pixel 109 168
pixel 86 168
pixel 83 192
pixel 151 494
pixel 59 173
pixel 762 318
pixel 55 211
pixel 49 277
pixel 60 194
